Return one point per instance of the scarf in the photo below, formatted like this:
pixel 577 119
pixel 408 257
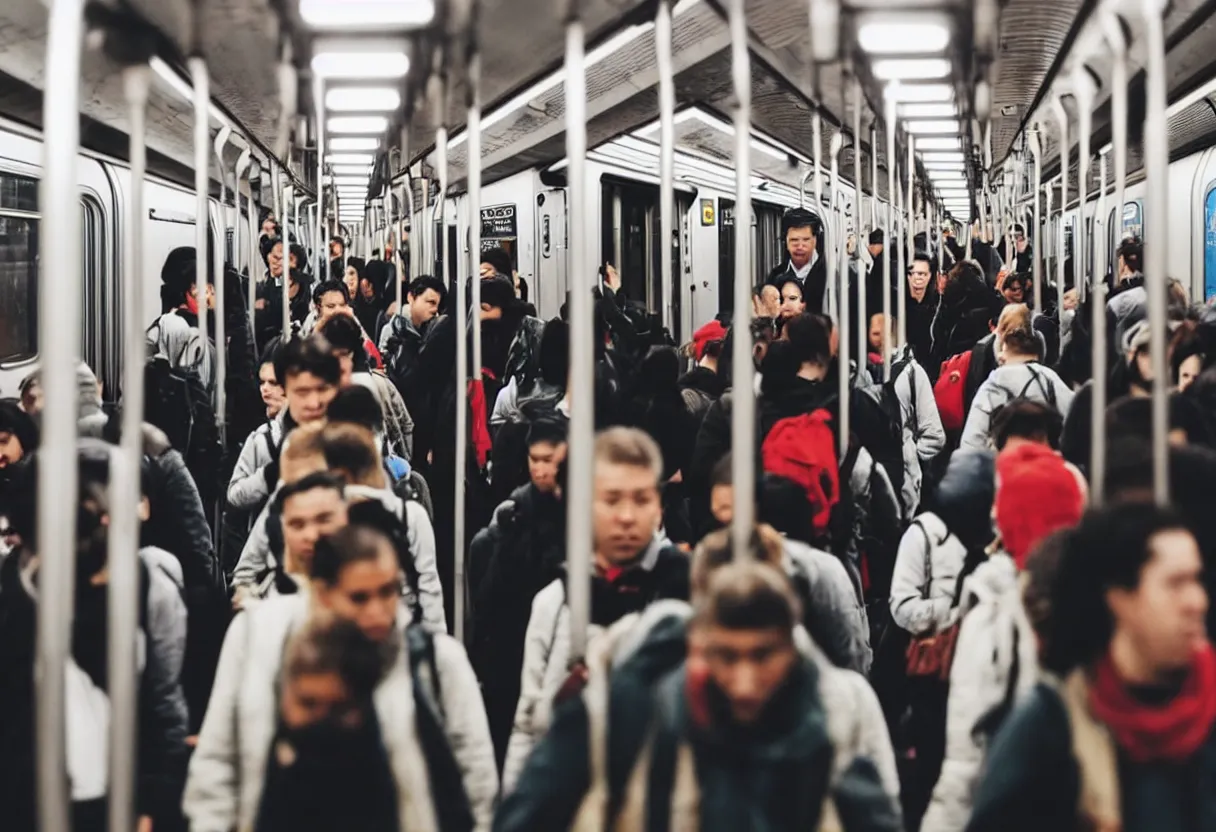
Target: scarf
pixel 1171 732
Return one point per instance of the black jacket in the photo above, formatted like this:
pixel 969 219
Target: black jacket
pixel 815 286
pixel 968 307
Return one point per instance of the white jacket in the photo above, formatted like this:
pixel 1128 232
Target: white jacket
pixel 248 485
pixel 1031 380
pixel 924 436
pixel 995 664
pixel 226 776
pixel 927 539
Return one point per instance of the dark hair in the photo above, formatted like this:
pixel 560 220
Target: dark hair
pixel 1108 550
pixel 1022 341
pixel 1132 252
pixel 1041 569
pixel 783 504
pixel 343 333
pixel 378 273
pixel 357 405
pixel 500 259
pixel 327 286
pixel 552 431
pixel 876 237
pixel 358 264
pixel 266 245
pixel 338 240
pixel 749 596
pixel 497 292
pixel 1185 344
pixel 315 480
pixel 312 355
pixel 810 339
pixel 337 646
pixel 350 449
pixel 16 422
pixel 419 286
pixel 355 543
pixel 1132 418
pixel 301 254
pixel 924 257
pixel 1026 419
pixel 801 218
pixel 717 549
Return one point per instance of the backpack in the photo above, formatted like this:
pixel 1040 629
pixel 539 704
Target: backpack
pixel 889 400
pixel 452 810
pixel 950 391
pixel 1047 389
pixel 177 402
pixel 803 449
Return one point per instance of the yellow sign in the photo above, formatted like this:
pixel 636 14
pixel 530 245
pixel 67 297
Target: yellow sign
pixel 707 212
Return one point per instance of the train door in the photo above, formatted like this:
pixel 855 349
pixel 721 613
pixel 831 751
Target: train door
pixel 768 247
pixel 670 298
pixel 1209 243
pixel 628 241
pixel 549 283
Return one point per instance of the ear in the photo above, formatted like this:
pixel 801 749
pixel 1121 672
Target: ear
pixel 1119 601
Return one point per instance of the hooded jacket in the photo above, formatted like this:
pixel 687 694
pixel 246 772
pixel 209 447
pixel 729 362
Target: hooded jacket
pixel 922 602
pixel 227 771
pixel 923 435
pixel 398 424
pixel 249 487
pixel 1126 308
pixel 967 307
pixel 1031 381
pixel 833 614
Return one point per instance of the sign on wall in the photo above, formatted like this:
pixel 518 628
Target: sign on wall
pixel 499 228
pixel 707 212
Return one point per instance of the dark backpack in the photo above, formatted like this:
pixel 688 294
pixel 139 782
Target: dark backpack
pixel 890 399
pixel 177 402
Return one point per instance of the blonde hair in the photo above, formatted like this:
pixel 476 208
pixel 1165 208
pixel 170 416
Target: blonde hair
pixel 717 550
pixel 629 446
pixel 1013 316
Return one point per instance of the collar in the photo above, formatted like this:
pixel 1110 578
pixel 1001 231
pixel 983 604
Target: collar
pixel 802 273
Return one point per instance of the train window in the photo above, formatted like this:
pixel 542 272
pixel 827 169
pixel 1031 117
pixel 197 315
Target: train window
pixel 18 286
pixel 1209 243
pixel 18 193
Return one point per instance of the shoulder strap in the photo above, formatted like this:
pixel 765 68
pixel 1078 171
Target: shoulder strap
pixel 421 645
pixel 924 590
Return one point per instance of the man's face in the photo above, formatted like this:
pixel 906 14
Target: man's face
pixel 544 459
pixel 1014 291
pixel 308 397
pixel 918 276
pixel 308 517
pixel 747 666
pixel 875 250
pixel 1019 243
pixel 792 304
pixel 800 242
pixel 876 334
pixel 332 303
pixel 312 698
pixel 268 227
pixel 351 278
pixel 721 503
pixel 274 260
pixel 335 249
pixel 367 289
pixel 424 307
pixel 626 510
pixel 11 451
pixel 1163 617
pixel 366 593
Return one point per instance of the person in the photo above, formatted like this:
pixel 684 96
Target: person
pixel 498 261
pixel 801 231
pixel 703 385
pixel 269 388
pixel 1187 355
pixel 350 348
pixel 337 251
pixel 175 336
pixel 370 301
pixel 1125 738
pixel 793 299
pixel 161 710
pixel 401 339
pixel 305 510
pixel 18 436
pixel 1128 303
pixel 996 656
pixel 329 770
pixel 1021 376
pixel 766 301
pixel 352 275
pixel 1026 421
pixel 968 307
pixel 1013 288
pixel 269 304
pixel 633 565
pixel 356 577
pixel 920 309
pixel 882 269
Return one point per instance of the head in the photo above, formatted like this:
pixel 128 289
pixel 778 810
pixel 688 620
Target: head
pixel 1037 493
pixel 1130 585
pixel 357 405
pixel 345 339
pixel 352 275
pixel 742 637
pixel 329 673
pixel 766 301
pixel 801 236
pixel 309 373
pixel 18 434
pixel 921 272
pixel 1026 421
pixel 1130 258
pixel 353 455
pixel 273 251
pixel 497 296
pixel 299 259
pixel 356 577
pixel 1020 243
pixel 810 340
pixel 330 298
pixel 337 247
pixel 270 227
pixel 792 298
pixel 876 336
pixel 707 344
pixel 496 261
pixel 627 508
pixel 309 509
pixel 31 396
pixel 302 454
pixel 269 387
pixel 875 245
pixel 1019 344
pixel 378 275
pixel 424 297
pixel 546 453
pixel 1186 355
pixel 1136 342
pixel 1014 288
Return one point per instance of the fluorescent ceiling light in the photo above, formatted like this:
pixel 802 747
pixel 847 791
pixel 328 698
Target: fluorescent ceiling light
pixel 353 143
pixel 357 124
pixel 349 181
pixel 361 99
pixel 919 93
pixel 351 170
pixel 366 14
pixel 911 69
pixel 940 177
pixel 934 158
pixel 938 143
pixel 360 58
pixel 885 37
pixel 954 193
pixel 928 111
pixel 943 166
pixel 350 158
pixel 925 127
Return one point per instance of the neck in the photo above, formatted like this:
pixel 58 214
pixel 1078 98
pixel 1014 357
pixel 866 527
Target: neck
pixel 917 294
pixel 812 372
pixel 1131 665
pixel 709 364
pixel 1018 359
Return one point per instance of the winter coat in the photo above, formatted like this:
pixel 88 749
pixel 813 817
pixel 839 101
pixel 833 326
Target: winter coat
pixel 248 487
pixel 578 774
pixel 508 407
pixel 1037 755
pixel 701 387
pixel 995 664
pixel 400 342
pixel 398 424
pixel 1126 308
pixel 923 603
pixel 963 316
pixel 832 612
pixel 227 771
pixel 1031 381
pixel 919 328
pixel 256 559
pixel 924 436
pixel 663 573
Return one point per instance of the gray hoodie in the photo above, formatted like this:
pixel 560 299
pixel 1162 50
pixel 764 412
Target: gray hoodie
pixel 1031 380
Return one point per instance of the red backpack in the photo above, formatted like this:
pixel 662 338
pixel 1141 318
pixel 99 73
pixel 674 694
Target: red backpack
pixel 949 392
pixel 803 449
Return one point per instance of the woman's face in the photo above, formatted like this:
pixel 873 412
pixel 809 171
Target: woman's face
pixel 272 393
pixel 1014 291
pixel 1189 370
pixel 351 279
pixel 792 304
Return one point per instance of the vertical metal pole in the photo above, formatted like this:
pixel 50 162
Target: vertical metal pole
pixel 427 237
pixel 322 247
pixel 289 200
pixel 743 408
pixel 217 273
pixel 122 539
pixel 1083 90
pixel 667 153
pixel 581 458
pixel 1117 42
pixel 474 144
pixel 892 213
pixel 1039 252
pixel 873 177
pixel 1097 328
pixel 202 155
pixel 239 245
pixel 902 278
pixel 817 151
pixel 1062 117
pixel 1156 228
pixel 60 280
pixel 836 263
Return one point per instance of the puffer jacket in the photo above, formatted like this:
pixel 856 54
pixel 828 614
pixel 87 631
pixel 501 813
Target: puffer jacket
pixel 547 647
pixel 995 664
pixel 256 559
pixel 922 602
pixel 248 487
pixel 578 770
pixel 1031 381
pixel 833 613
pixel 227 771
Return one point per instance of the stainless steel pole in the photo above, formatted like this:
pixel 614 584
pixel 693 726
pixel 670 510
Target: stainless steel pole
pixel 202 155
pixel 1156 227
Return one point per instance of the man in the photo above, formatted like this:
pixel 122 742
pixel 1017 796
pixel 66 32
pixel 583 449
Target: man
pixel 1128 304
pixel 802 232
pixel 1125 739
pixel 498 261
pixel 269 304
pixel 175 335
pixel 355 577
pixel 401 340
pixel 881 273
pixel 308 508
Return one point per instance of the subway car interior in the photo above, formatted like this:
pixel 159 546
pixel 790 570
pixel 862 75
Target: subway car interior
pixel 927 241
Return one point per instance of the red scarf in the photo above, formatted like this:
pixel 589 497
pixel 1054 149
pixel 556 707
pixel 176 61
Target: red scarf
pixel 1171 732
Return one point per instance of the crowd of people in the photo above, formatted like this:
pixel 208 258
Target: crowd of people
pixel 935 628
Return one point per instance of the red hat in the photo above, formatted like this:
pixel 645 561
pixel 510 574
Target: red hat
pixel 1037 493
pixel 706 335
